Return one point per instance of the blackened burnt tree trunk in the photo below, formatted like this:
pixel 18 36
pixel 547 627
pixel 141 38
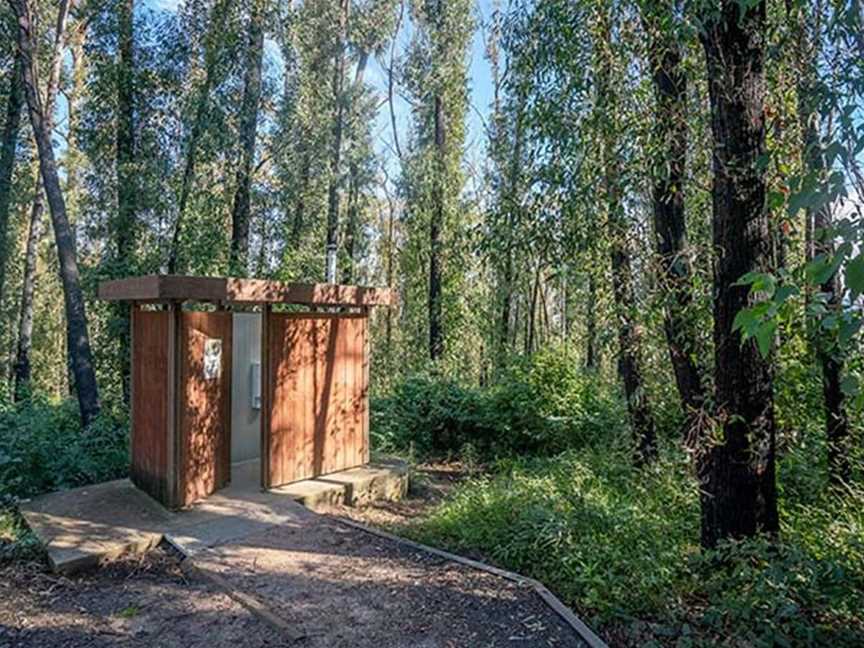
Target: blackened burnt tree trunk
pixel 77 336
pixel 619 235
pixel 738 475
pixel 436 222
pixel 9 144
pixel 670 226
pixel 241 210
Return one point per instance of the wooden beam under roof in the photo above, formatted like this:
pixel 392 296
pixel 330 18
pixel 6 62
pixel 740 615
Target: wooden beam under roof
pixel 167 288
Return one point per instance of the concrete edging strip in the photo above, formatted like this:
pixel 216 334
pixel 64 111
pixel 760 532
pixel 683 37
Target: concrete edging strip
pixel 585 633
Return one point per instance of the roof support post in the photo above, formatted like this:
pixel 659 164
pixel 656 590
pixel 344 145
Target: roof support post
pixel 266 310
pixel 175 403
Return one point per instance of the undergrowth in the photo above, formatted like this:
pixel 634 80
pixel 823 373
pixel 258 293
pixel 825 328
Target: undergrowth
pixel 538 407
pixel 17 542
pixel 556 497
pixel 621 546
pixel 43 448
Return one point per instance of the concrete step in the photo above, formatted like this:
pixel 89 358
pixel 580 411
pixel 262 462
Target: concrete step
pixel 353 487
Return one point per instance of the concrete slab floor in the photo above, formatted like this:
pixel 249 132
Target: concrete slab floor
pixel 82 527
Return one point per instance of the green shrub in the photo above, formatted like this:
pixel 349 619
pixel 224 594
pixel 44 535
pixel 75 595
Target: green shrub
pixel 17 541
pixel 539 406
pixel 778 594
pixel 43 448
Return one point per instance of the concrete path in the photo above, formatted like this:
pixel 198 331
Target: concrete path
pixel 85 526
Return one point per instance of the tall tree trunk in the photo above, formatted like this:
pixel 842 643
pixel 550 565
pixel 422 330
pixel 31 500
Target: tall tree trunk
pixel 436 224
pixel 332 244
pixel 8 146
pixel 212 51
pixel 35 231
pixel 436 334
pixel 630 339
pixel 240 214
pixel 819 222
pixel 261 262
pixel 670 228
pixel 127 191
pixel 513 206
pixel 125 227
pixel 738 475
pixel 78 339
pixel 299 216
pixel 503 267
pixel 22 371
pixel 351 224
pixel 531 323
pixel 592 361
pixel 391 80
pixel 619 232
pixel 391 218
pixel 354 174
pixel 505 289
pixel 73 157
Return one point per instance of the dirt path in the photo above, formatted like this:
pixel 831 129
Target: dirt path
pixel 133 602
pixel 341 587
pixel 336 586
pixel 329 585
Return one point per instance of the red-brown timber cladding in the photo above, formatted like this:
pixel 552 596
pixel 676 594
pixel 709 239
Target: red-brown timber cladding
pixel 150 396
pixel 205 413
pixel 318 395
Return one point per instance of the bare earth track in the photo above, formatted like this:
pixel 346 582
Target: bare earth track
pixel 335 586
pixel 143 601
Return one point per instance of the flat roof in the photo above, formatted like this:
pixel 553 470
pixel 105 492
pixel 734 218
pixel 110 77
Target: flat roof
pixel 167 288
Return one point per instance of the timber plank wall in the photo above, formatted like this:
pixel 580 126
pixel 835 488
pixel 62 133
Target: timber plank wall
pixel 205 415
pixel 318 395
pixel 150 403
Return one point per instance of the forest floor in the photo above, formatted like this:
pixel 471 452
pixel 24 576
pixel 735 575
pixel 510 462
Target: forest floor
pixel 330 584
pixel 141 601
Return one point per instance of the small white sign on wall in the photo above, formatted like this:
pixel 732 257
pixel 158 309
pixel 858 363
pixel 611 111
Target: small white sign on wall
pixel 212 359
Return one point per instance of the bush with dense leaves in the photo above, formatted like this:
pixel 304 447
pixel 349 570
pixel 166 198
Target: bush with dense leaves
pixel 42 448
pixel 538 406
pixel 17 541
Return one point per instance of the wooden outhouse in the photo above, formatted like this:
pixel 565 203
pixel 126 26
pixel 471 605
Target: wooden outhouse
pixel 230 382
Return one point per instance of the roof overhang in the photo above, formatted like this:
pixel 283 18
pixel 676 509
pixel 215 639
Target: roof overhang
pixel 174 288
